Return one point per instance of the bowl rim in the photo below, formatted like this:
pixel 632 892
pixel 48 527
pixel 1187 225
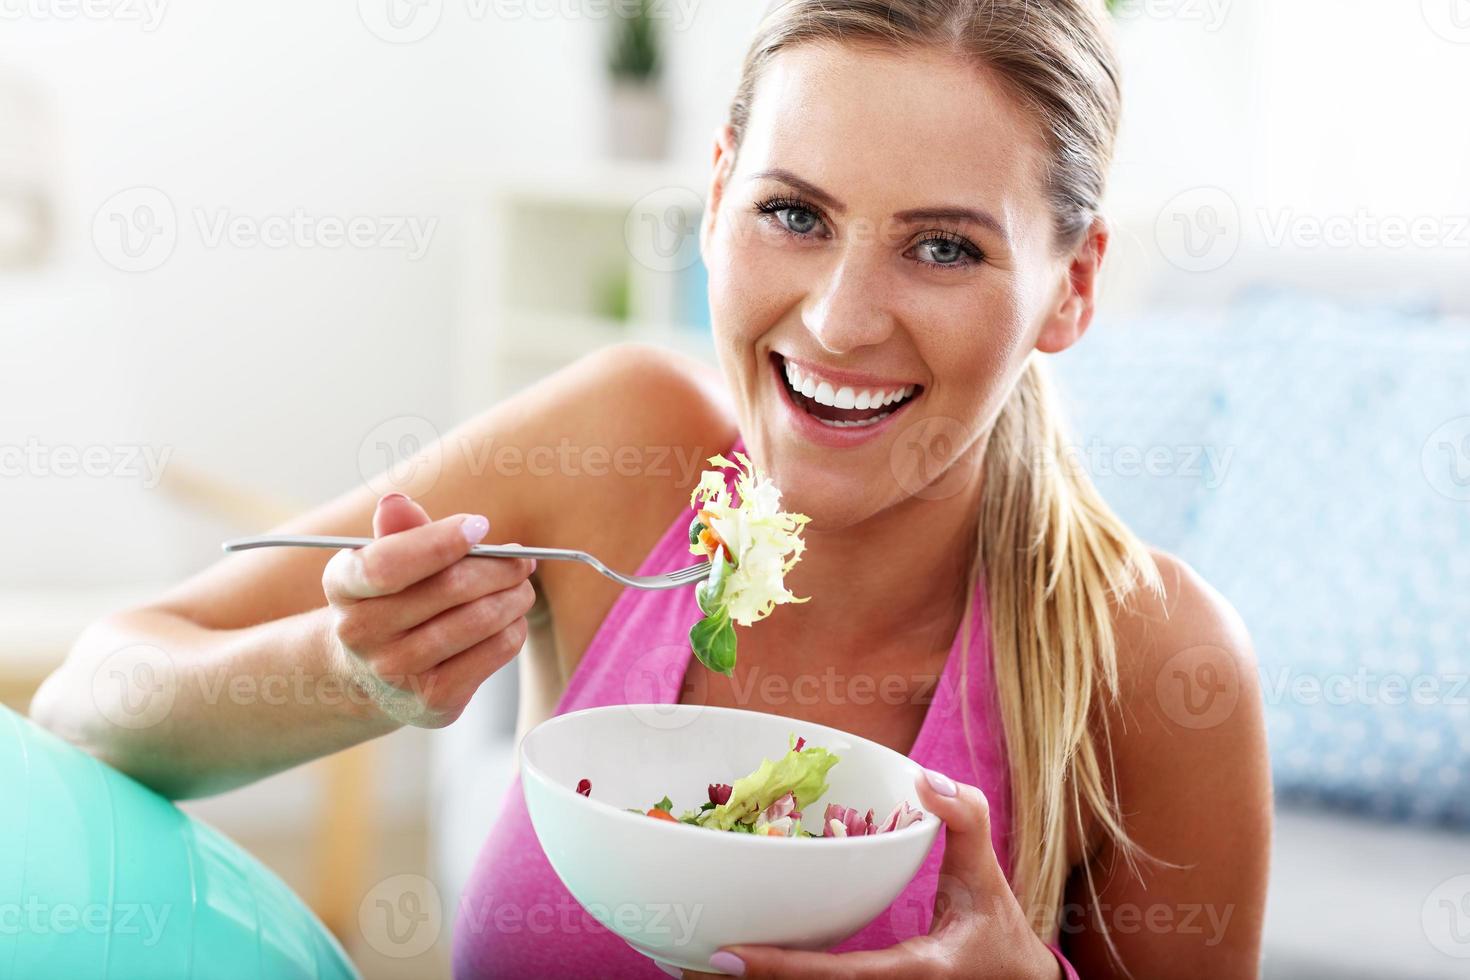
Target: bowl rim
pixel 929 825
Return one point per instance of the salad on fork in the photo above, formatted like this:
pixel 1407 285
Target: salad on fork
pixel 751 545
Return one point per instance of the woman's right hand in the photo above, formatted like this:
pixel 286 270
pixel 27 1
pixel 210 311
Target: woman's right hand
pixel 416 623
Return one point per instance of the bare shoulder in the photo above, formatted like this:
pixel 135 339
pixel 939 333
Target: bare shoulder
pixel 1186 628
pixel 1187 620
pixel 1187 731
pixel 594 456
pixel 1186 756
pixel 629 427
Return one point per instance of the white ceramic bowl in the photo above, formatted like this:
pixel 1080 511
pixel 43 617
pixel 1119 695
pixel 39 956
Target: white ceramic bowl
pixel 677 893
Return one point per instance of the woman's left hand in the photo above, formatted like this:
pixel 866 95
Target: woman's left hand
pixel 979 928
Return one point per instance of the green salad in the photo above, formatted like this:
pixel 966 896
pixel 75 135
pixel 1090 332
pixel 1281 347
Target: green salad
pixel 770 801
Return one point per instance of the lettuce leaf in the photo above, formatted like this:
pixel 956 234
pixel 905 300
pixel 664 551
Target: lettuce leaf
pixel 802 774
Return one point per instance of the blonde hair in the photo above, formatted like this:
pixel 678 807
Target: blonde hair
pixel 1055 560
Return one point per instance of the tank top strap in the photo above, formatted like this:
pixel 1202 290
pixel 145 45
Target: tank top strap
pixel 641 651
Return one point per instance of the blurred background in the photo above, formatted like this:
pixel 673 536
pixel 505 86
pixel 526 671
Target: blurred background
pixel 251 255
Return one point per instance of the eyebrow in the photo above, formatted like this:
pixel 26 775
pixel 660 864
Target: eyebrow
pixel 912 216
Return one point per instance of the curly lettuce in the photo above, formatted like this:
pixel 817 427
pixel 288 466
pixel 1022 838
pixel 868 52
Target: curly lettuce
pixel 751 545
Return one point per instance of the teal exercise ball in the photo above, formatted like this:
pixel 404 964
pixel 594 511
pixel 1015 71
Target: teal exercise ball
pixel 102 879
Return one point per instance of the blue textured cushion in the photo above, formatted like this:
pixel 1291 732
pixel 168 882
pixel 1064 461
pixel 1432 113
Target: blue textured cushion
pixel 1340 530
pixel 1146 402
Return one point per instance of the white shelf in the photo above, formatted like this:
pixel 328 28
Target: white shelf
pixel 572 259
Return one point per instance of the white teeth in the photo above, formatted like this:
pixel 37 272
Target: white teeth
pixel 849 398
pixel 856 424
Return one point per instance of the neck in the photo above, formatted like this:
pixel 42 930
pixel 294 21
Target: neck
pixel 897 578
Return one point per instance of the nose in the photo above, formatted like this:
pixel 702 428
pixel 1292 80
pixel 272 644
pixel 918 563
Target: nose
pixel 851 310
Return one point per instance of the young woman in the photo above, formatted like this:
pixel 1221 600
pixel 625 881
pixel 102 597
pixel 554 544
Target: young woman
pixel 906 202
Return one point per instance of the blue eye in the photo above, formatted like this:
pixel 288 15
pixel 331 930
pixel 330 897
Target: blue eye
pixel 947 252
pixel 793 216
pixel 797 220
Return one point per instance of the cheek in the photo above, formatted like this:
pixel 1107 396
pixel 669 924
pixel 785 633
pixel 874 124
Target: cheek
pixel 750 288
pixel 974 340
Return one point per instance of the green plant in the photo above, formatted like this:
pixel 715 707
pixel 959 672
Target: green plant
pixel 635 48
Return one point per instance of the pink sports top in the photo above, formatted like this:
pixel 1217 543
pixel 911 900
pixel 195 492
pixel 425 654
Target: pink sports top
pixel 516 919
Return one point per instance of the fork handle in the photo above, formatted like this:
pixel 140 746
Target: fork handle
pixel 324 541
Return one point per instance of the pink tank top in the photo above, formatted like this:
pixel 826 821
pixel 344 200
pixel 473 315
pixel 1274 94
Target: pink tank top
pixel 516 919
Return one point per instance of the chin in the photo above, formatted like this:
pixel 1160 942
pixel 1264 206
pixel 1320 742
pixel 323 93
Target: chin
pixel 831 491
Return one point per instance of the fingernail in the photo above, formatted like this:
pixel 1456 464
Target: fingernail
pixel 393 496
pixel 941 783
pixel 533 566
pixel 475 528
pixel 728 963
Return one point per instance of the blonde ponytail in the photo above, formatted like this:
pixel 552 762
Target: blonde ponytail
pixel 1056 563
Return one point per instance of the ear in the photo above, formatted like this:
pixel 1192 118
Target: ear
pixel 722 166
pixel 1076 298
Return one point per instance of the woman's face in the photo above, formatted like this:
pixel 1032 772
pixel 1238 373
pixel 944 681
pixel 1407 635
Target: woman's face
pixel 884 232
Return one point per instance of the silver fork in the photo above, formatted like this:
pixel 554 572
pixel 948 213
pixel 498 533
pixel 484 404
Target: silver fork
pixel 668 580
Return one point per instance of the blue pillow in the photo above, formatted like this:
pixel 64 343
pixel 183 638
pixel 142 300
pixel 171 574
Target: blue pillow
pixel 1341 532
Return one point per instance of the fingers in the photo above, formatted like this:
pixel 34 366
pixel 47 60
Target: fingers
pixel 397 513
pixel 427 646
pixel 970 875
pixel 448 688
pixel 465 581
pixel 394 562
pixel 770 962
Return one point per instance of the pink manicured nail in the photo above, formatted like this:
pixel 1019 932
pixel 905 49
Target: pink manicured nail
pixel 941 783
pixel 393 496
pixel 728 963
pixel 475 528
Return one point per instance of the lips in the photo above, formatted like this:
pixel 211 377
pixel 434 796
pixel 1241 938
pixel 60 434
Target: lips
pixel 835 404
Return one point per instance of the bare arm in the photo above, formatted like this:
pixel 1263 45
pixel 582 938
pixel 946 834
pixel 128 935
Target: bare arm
pixel 271 658
pixel 1193 778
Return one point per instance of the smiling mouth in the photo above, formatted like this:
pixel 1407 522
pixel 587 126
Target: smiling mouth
pixel 844 407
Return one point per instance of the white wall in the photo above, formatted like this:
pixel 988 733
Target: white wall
pixel 269 366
